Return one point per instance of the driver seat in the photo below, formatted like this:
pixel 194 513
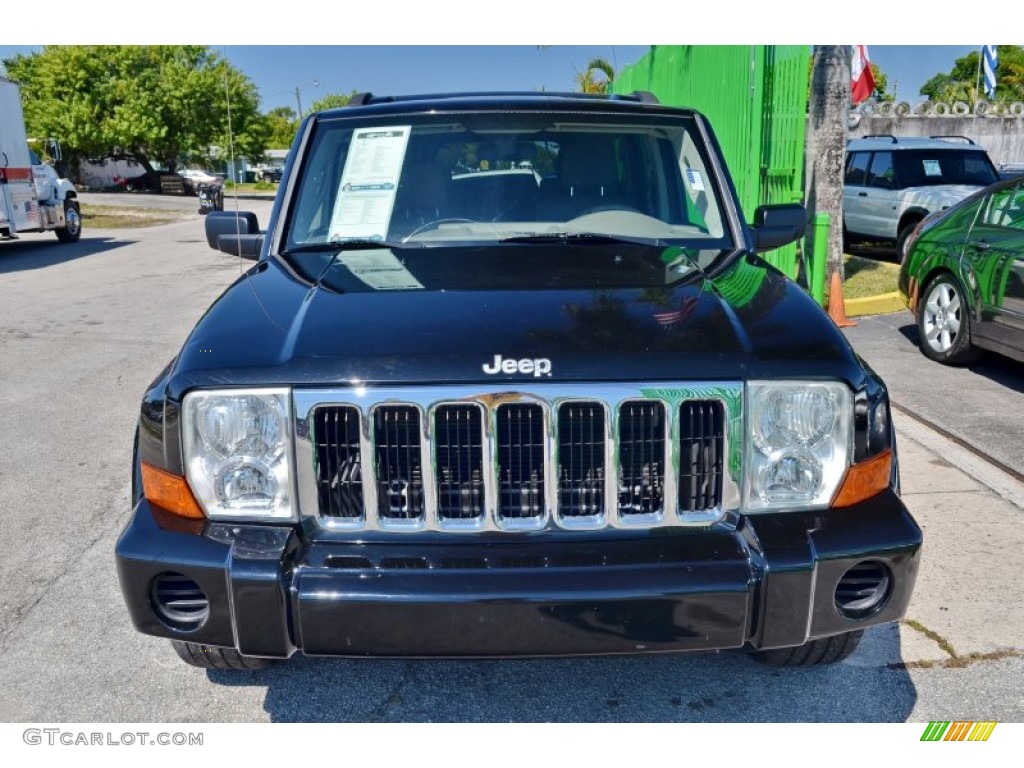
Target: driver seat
pixel 588 178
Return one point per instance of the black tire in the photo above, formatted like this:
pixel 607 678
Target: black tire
pixel 826 650
pixel 944 333
pixel 73 219
pixel 215 657
pixel 846 240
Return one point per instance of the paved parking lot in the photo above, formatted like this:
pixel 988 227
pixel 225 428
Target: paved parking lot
pixel 83 330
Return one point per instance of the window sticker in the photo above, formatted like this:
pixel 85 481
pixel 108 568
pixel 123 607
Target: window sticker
pixel 369 183
pixel 380 269
pixel 695 180
pixel 932 168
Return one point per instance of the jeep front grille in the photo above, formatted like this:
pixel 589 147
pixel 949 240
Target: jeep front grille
pixel 472 460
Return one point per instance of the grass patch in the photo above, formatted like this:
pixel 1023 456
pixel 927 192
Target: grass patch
pixel 121 217
pixel 867 277
pixel 259 186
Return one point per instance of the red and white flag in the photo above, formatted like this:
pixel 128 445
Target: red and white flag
pixel 862 79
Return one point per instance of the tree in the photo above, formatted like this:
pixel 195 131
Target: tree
pixel 156 102
pixel 333 100
pixel 282 123
pixel 826 144
pixel 961 82
pixel 586 81
pixel 881 92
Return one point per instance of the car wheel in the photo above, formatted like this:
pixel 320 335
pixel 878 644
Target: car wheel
pixel 944 322
pixel 73 221
pixel 825 650
pixel 215 657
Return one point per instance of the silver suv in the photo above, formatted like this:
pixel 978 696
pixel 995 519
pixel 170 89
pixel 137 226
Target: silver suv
pixel 892 183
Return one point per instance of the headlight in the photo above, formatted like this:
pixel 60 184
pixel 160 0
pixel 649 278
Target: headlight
pixel 799 446
pixel 237 447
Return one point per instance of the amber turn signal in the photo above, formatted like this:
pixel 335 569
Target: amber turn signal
pixel 865 480
pixel 169 492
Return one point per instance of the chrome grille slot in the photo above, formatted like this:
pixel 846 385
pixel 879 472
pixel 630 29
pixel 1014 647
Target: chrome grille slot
pixel 544 456
pixel 399 470
pixel 339 479
pixel 458 454
pixel 520 458
pixel 701 454
pixel 641 436
pixel 581 459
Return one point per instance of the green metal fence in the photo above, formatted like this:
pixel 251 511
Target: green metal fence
pixel 756 99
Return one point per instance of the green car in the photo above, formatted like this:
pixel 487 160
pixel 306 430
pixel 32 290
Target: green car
pixel 963 276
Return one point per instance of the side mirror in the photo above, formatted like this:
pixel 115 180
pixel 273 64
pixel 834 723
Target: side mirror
pixel 236 233
pixel 778 225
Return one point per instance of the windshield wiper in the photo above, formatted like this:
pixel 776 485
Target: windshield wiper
pixel 579 237
pixel 338 246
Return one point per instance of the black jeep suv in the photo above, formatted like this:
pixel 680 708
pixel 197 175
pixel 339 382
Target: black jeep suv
pixel 509 379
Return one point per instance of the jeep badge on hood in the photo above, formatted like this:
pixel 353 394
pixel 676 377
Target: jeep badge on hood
pixel 541 366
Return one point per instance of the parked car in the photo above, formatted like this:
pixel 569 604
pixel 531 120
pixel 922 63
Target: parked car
pixel 892 183
pixel 273 174
pixel 963 276
pixel 460 408
pixel 1011 170
pixel 192 177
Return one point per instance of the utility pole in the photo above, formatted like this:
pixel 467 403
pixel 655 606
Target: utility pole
pixel 829 112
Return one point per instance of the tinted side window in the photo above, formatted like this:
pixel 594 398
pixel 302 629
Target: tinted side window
pixel 857 169
pixel 881 173
pixel 1006 208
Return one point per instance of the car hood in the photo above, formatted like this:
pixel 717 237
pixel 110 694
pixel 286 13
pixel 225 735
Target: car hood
pixel 273 328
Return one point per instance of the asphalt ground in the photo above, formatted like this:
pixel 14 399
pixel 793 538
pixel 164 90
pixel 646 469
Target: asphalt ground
pixel 84 328
pixel 981 404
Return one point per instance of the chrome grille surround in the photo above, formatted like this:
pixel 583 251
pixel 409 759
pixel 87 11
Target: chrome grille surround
pixel 426 400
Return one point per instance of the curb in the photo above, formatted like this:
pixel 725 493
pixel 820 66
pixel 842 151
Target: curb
pixel 882 304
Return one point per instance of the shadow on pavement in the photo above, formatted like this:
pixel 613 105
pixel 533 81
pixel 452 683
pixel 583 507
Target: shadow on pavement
pixel 870 686
pixel 1002 370
pixel 38 253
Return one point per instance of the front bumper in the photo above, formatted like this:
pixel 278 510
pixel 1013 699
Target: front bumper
pixel 765 582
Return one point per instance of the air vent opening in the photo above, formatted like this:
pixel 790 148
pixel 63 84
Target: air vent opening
pixel 863 590
pixel 581 459
pixel 641 458
pixel 459 457
pixel 338 460
pixel 396 430
pixel 179 602
pixel 521 446
pixel 701 455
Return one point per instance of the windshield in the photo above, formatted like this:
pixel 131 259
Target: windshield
pixel 470 179
pixel 927 167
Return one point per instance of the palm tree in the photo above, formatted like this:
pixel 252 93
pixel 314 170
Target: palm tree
pixel 586 81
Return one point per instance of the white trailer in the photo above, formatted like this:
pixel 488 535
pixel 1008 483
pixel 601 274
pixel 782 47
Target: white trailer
pixel 33 197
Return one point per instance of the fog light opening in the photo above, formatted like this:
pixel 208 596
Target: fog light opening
pixel 863 590
pixel 179 602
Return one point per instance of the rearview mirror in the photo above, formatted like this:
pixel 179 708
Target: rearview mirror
pixel 237 233
pixel 778 225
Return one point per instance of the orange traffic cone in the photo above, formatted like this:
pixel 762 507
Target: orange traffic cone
pixel 836 303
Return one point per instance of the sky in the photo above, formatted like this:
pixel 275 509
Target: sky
pixel 315 71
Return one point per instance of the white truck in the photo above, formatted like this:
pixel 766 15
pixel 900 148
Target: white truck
pixel 33 197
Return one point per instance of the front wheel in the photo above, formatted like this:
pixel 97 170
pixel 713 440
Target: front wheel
pixel 72 229
pixel 825 650
pixel 944 322
pixel 215 657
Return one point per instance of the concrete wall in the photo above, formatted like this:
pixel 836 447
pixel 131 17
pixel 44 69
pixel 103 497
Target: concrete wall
pixel 1002 136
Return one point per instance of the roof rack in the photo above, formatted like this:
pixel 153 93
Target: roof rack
pixel 881 136
pixel 365 98
pixel 953 136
